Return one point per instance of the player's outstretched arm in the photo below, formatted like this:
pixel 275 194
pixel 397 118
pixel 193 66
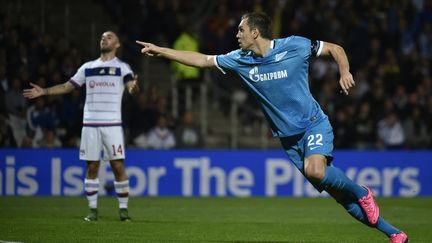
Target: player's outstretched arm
pixel 37 91
pixel 346 80
pixel 189 58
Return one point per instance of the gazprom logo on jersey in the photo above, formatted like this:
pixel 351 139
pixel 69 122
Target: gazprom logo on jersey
pixel 103 84
pixel 255 76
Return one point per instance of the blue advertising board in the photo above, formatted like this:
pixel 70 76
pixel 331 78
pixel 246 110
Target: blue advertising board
pixel 238 173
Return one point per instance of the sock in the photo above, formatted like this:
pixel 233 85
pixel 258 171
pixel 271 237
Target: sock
pixel 385 227
pixel 355 210
pixel 335 178
pixel 122 190
pixel 91 187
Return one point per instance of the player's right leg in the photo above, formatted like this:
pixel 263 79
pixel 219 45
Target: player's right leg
pixel 353 208
pixel 91 187
pixel 90 150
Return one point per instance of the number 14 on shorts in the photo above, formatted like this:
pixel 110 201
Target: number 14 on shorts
pixel 117 150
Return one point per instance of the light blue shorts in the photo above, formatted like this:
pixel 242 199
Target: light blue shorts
pixel 318 139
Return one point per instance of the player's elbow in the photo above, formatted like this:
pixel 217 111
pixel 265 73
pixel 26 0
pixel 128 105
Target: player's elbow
pixel 335 48
pixel 331 49
pixel 207 61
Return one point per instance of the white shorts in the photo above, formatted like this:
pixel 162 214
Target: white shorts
pixel 108 140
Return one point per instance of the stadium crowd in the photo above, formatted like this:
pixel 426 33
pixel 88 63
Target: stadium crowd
pixel 389 44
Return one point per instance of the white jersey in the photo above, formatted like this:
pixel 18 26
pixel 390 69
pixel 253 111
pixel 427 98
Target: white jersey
pixel 104 90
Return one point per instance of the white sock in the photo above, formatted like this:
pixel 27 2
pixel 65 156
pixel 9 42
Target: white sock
pixel 122 190
pixel 91 187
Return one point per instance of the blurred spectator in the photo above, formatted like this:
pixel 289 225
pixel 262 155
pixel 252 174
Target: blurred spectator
pixel 365 128
pixel 49 140
pixel 140 140
pixel 71 140
pixel 141 117
pixel 163 110
pixel 161 137
pixel 6 136
pixel 390 132
pixel 416 130
pixel 344 130
pixel 40 115
pixel 14 99
pixel 71 110
pixel 186 41
pixel 188 134
pixel 188 78
pixel 19 126
pixel 4 87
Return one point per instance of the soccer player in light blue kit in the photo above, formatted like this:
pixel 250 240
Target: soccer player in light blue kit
pixel 276 72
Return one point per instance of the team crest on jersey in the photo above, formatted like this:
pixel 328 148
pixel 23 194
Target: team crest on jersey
pixel 112 71
pixel 255 76
pixel 279 56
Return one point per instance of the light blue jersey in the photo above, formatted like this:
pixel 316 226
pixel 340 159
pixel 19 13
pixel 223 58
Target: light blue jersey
pixel 280 82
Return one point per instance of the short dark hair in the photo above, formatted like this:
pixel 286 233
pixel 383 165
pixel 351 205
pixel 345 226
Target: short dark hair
pixel 259 21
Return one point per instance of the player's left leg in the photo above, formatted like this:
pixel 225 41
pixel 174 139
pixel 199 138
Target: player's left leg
pixel 317 171
pixel 353 208
pixel 318 147
pixel 121 186
pixel 330 177
pixel 113 148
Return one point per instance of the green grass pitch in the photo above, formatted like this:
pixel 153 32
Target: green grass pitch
pixel 172 219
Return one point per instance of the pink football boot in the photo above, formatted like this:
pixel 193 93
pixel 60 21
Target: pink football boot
pixel 400 237
pixel 370 207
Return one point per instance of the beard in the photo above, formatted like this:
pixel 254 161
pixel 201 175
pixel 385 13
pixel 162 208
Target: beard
pixel 105 49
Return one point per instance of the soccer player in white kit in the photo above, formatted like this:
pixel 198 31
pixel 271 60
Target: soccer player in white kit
pixel 105 79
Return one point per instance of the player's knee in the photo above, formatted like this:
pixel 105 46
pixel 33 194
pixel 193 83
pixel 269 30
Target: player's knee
pixel 315 168
pixel 92 170
pixel 92 173
pixel 117 166
pixel 315 174
pixel 118 169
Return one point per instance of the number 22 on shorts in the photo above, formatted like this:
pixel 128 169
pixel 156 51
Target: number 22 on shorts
pixel 315 141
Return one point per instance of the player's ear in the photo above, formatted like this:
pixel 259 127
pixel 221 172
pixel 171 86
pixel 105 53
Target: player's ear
pixel 255 33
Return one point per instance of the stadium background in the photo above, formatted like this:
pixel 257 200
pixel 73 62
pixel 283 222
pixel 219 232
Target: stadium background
pixel 382 130
pixel 389 44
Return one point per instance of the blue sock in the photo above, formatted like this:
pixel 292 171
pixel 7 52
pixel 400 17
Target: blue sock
pixel 355 210
pixel 385 227
pixel 336 179
pixel 382 225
